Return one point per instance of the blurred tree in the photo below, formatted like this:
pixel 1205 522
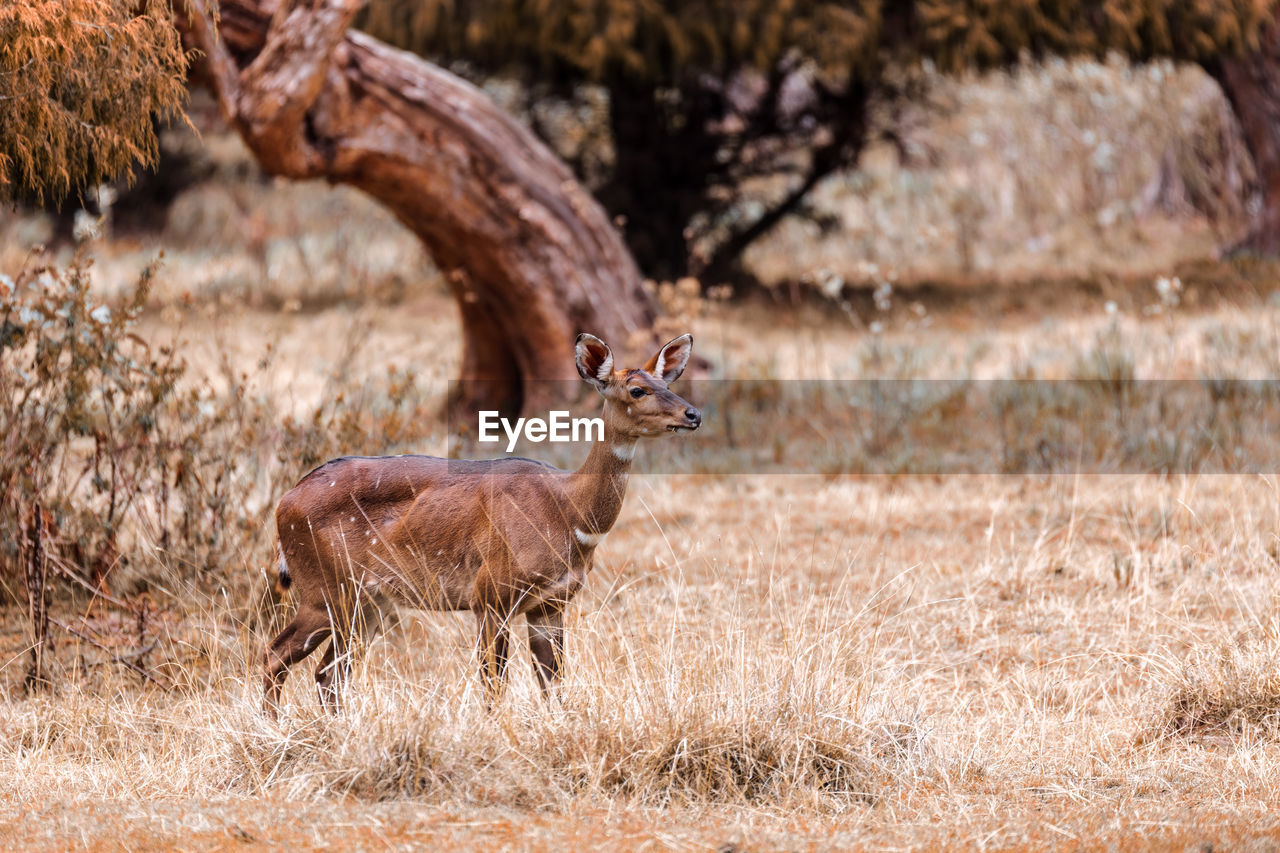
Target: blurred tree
pixel 81 82
pixel 704 98
pixel 1252 85
pixel 531 257
pixel 707 96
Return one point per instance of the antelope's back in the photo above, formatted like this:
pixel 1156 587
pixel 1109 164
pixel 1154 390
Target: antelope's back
pixel 409 522
pixel 377 484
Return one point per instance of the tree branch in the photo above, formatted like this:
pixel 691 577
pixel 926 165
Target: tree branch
pixel 223 69
pixel 289 73
pixel 269 100
pixel 849 134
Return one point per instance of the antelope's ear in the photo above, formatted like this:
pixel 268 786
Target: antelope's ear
pixel 594 360
pixel 669 361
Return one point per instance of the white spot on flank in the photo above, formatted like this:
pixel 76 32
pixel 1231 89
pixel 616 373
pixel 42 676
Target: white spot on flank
pixel 353 518
pixel 589 539
pixel 333 483
pixel 375 542
pixel 624 451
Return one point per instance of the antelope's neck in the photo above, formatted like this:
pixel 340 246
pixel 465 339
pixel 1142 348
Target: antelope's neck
pixel 598 487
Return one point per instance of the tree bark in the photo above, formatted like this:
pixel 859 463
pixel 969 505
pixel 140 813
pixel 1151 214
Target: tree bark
pixel 530 256
pixel 1252 85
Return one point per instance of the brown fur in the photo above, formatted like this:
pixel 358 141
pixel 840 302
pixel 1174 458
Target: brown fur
pixel 501 537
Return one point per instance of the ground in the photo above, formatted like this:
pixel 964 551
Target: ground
pixel 909 662
pixel 758 661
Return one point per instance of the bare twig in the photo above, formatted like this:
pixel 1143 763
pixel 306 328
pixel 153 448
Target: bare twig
pixel 37 594
pixel 67 571
pixel 121 659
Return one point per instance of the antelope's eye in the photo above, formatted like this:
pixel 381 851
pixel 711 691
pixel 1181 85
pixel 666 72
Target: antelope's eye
pixel 637 393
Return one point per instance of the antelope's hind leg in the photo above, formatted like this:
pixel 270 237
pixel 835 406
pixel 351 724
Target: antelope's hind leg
pixel 546 644
pixel 309 628
pixel 357 617
pixel 334 671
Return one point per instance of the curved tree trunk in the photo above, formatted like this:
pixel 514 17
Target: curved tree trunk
pixel 531 258
pixel 1252 85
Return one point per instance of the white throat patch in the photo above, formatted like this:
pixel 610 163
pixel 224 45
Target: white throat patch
pixel 624 452
pixel 590 540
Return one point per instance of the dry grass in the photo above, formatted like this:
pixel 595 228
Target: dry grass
pixel 1231 690
pixel 766 660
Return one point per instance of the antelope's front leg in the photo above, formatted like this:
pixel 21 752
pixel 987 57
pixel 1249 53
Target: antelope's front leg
pixel 546 644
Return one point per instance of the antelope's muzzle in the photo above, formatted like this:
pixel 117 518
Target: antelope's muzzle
pixel 692 420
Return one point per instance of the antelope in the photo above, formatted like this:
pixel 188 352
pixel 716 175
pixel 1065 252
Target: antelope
pixel 501 537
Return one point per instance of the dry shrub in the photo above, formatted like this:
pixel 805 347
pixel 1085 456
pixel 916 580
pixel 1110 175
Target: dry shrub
pixel 121 472
pixel 1231 689
pixel 135 465
pixel 93 418
pixel 1111 167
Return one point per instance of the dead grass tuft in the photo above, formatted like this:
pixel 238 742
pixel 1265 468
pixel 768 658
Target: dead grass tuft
pixel 1228 690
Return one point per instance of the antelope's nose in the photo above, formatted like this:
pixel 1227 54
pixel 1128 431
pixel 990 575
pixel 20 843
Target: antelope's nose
pixel 693 416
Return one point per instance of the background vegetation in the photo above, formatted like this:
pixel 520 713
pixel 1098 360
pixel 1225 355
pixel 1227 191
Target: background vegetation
pixel 82 83
pixel 705 101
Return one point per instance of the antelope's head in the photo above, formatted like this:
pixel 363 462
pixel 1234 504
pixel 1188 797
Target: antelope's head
pixel 637 400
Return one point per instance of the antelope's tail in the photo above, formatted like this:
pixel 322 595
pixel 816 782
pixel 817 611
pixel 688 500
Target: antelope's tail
pixel 283 579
